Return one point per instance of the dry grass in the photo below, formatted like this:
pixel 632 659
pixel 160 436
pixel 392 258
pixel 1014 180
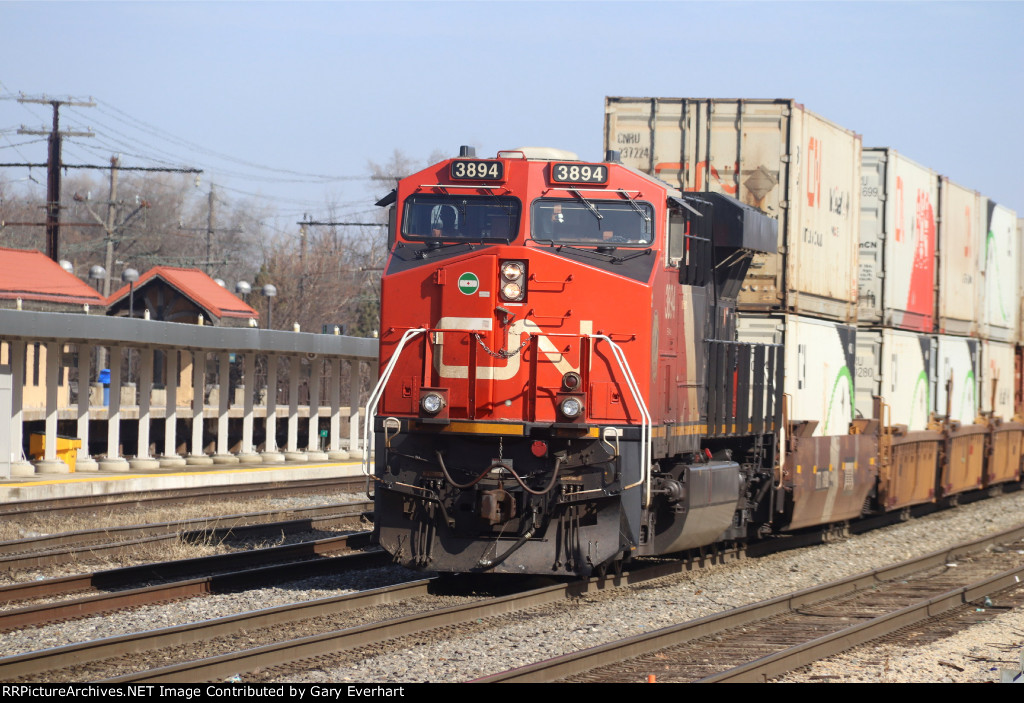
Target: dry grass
pixel 189 509
pixel 85 561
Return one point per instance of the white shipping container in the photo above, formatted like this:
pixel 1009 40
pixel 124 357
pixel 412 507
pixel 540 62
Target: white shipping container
pixel 997 369
pixel 771 154
pixel 960 238
pixel 998 316
pixel 895 365
pixel 1020 280
pixel 956 368
pixel 820 361
pixel 898 203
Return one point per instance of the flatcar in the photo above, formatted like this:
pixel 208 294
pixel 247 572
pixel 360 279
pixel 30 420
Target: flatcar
pixel 561 386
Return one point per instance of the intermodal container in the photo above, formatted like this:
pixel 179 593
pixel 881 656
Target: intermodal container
pixel 898 203
pixel 995 395
pixel 998 314
pixel 955 378
pixel 771 154
pixel 960 239
pixel 895 365
pixel 820 362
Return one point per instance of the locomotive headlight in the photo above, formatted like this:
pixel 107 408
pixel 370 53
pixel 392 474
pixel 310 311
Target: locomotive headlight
pixel 512 276
pixel 511 270
pixel 512 291
pixel 571 407
pixel 431 403
pixel 571 381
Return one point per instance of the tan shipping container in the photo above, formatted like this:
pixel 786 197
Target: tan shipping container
pixel 771 154
pixel 960 238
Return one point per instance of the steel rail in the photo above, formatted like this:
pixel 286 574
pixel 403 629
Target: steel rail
pixel 76 544
pixel 175 588
pixel 284 653
pixel 205 523
pixel 645 643
pixel 46 660
pixel 146 498
pixel 760 670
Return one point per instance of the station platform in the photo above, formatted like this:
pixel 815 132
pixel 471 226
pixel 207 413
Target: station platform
pixel 64 485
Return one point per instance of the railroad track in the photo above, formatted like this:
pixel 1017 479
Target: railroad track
pixel 117 589
pixel 762 640
pixel 110 502
pixel 112 541
pixel 109 659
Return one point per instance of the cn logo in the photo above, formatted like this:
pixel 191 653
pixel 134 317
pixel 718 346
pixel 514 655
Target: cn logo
pixel 468 283
pixel 814 172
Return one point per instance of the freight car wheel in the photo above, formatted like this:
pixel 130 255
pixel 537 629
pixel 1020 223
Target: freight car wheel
pixel 614 565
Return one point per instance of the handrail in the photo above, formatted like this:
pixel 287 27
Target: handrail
pixel 645 433
pixel 378 391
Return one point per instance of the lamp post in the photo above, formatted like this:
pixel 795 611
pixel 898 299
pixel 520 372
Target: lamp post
pixel 97 273
pixel 129 276
pixel 270 290
pixel 243 289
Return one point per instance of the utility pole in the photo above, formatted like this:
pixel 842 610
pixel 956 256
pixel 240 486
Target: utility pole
pixel 108 260
pixel 209 226
pixel 303 235
pixel 211 229
pixel 110 225
pixel 53 166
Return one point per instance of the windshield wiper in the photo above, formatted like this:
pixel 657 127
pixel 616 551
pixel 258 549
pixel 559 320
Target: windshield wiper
pixel 590 206
pixel 433 247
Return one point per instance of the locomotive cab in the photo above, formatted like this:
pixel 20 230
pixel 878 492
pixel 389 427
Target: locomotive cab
pixel 531 417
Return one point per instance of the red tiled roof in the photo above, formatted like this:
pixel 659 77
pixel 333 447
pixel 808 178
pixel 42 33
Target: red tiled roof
pixel 197 286
pixel 31 275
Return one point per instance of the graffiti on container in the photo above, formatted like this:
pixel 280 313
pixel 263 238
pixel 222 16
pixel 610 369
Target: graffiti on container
pixel 814 172
pixel 838 202
pixel 815 238
pixel 714 181
pixel 921 296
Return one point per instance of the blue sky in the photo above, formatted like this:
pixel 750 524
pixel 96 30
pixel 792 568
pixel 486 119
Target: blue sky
pixel 326 87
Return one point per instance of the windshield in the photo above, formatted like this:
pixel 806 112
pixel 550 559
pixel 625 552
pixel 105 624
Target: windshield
pixel 592 221
pixel 461 217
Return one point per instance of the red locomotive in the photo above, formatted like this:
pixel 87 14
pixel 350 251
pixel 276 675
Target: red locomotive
pixel 560 387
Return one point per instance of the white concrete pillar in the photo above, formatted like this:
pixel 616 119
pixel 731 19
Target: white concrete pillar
pixel 354 387
pixel 84 462
pixel 113 460
pixel 247 455
pixel 50 464
pixel 198 457
pixel 142 458
pixel 170 458
pixel 270 453
pixel 334 450
pixel 19 466
pixel 292 452
pixel 223 455
pixel 313 443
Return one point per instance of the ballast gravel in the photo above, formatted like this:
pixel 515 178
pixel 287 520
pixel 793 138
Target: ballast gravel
pixel 491 646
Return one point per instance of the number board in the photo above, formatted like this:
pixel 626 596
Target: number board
pixel 477 170
pixel 579 173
